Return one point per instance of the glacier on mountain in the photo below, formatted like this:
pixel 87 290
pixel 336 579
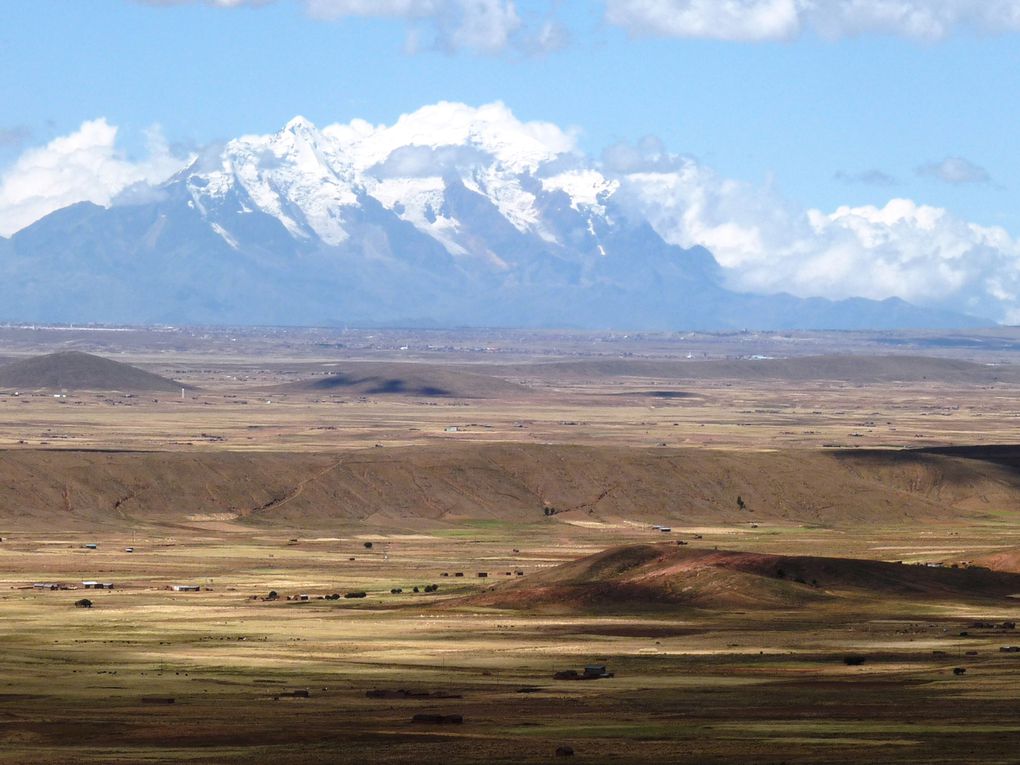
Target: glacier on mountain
pixel 309 179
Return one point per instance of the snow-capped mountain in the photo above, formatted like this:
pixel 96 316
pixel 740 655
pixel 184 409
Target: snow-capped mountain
pixel 452 215
pixel 316 182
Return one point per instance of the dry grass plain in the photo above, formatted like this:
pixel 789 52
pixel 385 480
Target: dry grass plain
pixel 691 685
pixel 699 685
pixel 250 413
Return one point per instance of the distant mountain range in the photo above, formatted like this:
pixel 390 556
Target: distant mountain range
pixel 443 219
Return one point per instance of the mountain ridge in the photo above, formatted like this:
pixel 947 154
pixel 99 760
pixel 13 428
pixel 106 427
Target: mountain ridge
pixel 452 216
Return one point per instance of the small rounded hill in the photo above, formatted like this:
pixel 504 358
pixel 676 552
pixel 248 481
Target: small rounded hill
pixel 74 370
pixel 368 378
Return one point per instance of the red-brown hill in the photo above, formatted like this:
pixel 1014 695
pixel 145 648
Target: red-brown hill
pixel 644 576
pixel 1003 560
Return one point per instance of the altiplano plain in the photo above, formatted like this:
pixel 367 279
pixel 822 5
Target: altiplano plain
pixel 513 382
pixel 784 548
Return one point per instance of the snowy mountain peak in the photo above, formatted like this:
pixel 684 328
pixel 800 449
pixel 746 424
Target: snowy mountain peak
pixel 299 124
pixel 491 129
pixel 316 182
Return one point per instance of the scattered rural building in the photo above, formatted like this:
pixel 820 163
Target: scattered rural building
pixel 591 672
pixel 186 587
pixel 90 546
pixel 595 671
pixel 91 584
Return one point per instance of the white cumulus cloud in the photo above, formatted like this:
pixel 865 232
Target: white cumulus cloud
pixel 917 252
pixel 717 19
pixel 492 128
pixel 785 19
pixel 85 165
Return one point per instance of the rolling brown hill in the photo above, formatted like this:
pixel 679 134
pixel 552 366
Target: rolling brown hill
pixel 849 369
pixel 370 378
pixel 74 370
pixel 643 576
pixel 406 487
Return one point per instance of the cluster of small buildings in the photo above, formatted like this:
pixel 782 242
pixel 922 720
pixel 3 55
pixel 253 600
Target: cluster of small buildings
pixel 88 584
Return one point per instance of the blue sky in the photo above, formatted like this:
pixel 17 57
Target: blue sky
pixel 801 111
pixel 835 103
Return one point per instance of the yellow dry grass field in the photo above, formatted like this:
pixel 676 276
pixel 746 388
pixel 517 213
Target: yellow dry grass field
pixel 598 500
pixel 641 412
pixel 93 685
